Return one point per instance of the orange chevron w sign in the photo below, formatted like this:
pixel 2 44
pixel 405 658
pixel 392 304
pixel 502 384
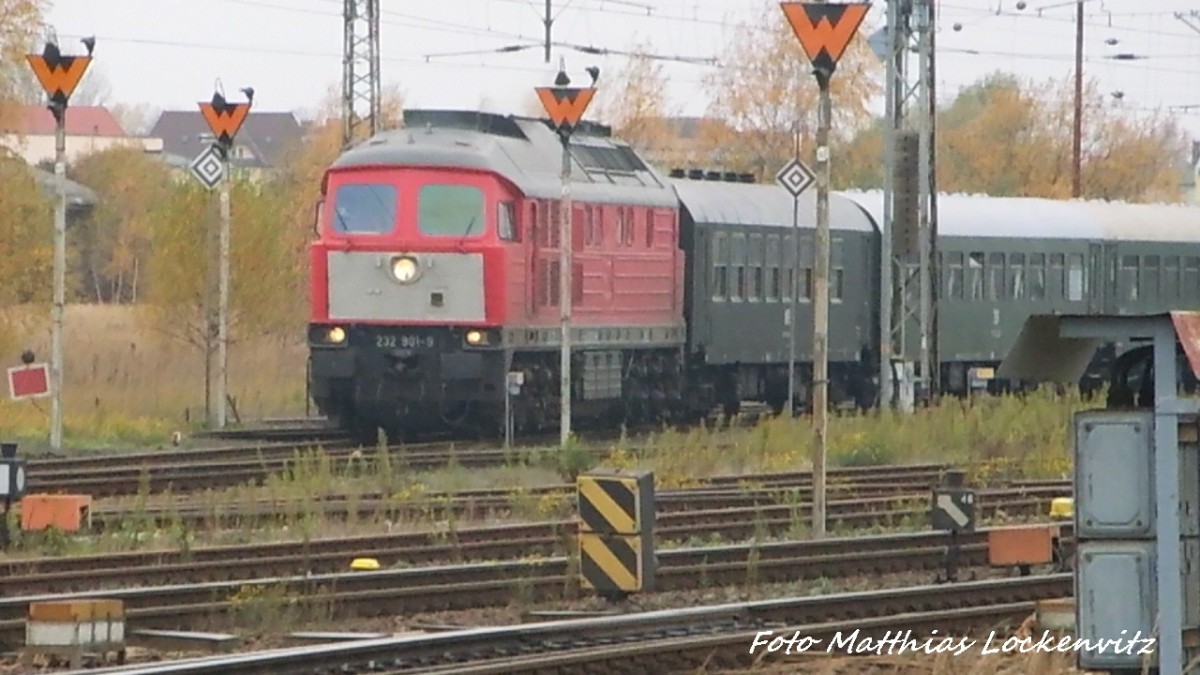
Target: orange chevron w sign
pixel 824 30
pixel 565 105
pixel 59 76
pixel 225 119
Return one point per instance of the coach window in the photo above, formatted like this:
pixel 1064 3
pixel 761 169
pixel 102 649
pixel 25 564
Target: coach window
pixel 1037 277
pixel 1191 277
pixel 720 257
pixel 996 276
pixel 1056 283
pixel 774 252
pixel 365 209
pixel 739 267
pixel 975 275
pixel 1129 277
pixel 953 266
pixel 788 284
pixel 806 267
pixel 836 270
pixel 450 211
pixel 1150 277
pixel 756 267
pixel 1170 281
pixel 506 222
pixel 1076 281
pixel 1016 276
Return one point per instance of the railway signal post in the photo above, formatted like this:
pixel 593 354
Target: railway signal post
pixel 224 119
pixel 565 105
pixel 795 177
pixel 59 75
pixel 824 31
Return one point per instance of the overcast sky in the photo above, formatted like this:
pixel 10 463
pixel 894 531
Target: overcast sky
pixel 168 53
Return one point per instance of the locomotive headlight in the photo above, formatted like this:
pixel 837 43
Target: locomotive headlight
pixel 336 335
pixel 404 269
pixel 476 337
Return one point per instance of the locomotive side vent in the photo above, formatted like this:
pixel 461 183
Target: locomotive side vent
pixel 722 176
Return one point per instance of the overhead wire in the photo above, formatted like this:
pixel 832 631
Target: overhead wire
pixel 675 14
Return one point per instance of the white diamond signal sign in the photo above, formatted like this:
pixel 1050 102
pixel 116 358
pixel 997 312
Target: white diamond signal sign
pixel 795 177
pixel 208 167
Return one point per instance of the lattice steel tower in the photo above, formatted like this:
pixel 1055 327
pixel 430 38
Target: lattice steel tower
pixel 360 71
pixel 908 274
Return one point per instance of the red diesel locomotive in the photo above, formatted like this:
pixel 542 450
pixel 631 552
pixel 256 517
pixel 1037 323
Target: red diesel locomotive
pixel 436 271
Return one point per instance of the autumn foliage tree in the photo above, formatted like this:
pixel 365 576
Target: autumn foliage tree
pixel 20 21
pixel 113 241
pixel 764 90
pixel 263 285
pixel 272 225
pixel 635 104
pixel 1005 137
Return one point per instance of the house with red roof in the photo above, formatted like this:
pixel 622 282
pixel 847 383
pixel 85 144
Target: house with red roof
pixel 89 129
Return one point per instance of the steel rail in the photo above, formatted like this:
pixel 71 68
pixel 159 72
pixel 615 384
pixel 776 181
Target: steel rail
pixel 734 622
pixel 228 562
pixel 400 591
pixel 241 515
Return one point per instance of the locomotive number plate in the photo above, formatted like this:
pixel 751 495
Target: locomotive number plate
pixel 404 341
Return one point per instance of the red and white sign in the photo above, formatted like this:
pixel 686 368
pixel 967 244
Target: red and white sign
pixel 32 381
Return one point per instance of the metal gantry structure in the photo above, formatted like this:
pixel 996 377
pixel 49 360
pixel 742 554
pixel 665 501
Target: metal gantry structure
pixel 908 362
pixel 361 88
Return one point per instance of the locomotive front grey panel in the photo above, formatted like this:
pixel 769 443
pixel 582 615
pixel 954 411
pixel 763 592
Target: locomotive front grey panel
pixel 443 287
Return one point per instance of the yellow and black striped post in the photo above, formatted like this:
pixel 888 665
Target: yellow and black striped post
pixel 616 531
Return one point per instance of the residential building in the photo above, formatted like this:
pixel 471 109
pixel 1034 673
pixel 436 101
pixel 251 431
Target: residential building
pixel 260 146
pixel 89 129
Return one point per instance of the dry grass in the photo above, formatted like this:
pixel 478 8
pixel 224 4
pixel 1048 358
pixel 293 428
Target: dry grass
pixel 127 383
pixel 998 437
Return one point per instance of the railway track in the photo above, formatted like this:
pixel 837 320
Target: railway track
pixel 542 540
pixel 665 641
pixel 502 505
pixel 273 450
pixel 100 478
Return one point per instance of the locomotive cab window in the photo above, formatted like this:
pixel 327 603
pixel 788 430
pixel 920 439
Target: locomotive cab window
pixel 361 208
pixel 506 221
pixel 450 211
